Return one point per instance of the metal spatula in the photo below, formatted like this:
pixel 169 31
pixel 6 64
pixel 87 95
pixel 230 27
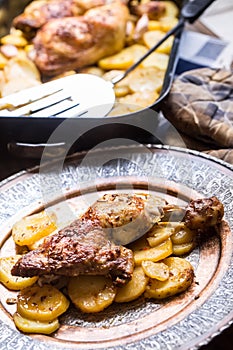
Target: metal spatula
pixel 83 95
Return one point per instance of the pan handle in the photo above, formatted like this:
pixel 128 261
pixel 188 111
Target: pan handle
pixel 35 151
pixel 194 8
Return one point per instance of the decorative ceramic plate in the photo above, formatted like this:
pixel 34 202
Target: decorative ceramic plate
pixel 185 321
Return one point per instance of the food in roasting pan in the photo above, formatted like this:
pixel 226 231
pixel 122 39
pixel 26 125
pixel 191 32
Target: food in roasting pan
pixel 123 247
pixel 55 38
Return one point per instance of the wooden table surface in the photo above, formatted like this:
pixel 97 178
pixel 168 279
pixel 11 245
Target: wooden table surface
pixel 9 165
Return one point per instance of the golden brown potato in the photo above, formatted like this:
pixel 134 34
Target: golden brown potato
pixel 134 288
pixel 91 293
pixel 13 282
pixel 157 270
pixel 34 227
pixel 41 303
pixel 34 326
pixel 181 274
pixel 157 253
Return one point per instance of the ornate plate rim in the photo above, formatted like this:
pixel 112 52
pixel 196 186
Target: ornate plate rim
pixel 222 324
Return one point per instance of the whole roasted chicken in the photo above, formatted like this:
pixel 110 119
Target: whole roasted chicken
pixel 39 12
pixel 70 43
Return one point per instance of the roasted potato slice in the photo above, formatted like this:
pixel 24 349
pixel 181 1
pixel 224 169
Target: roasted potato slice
pixel 3 61
pixel 34 326
pixel 157 270
pixel 183 249
pixel 182 234
pixel 155 254
pixel 159 233
pixel 134 288
pixel 139 100
pixel 167 23
pixel 181 274
pixel 157 60
pixel 41 303
pixel 13 39
pixel 145 79
pixel 20 73
pixel 150 38
pixel 123 59
pixel 171 9
pixel 13 282
pixel 91 293
pixel 34 227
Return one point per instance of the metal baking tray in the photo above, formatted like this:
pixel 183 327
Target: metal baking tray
pixel 141 126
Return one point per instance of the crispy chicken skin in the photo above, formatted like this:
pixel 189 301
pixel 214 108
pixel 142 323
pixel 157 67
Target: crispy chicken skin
pixel 38 12
pixel 203 213
pixel 74 42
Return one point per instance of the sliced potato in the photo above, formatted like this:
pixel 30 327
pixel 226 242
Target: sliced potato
pixel 92 70
pixel 157 253
pixel 19 74
pixel 12 39
pixel 3 61
pixel 154 25
pixel 33 326
pixel 91 293
pixel 41 303
pixel 134 288
pixel 182 249
pixel 32 228
pixel 157 270
pixel 167 23
pixel 152 37
pixel 158 234
pixel 121 91
pixel 123 59
pixel 13 282
pixel 157 60
pixel 139 100
pixel 146 79
pixel 171 9
pixel 182 234
pixel 181 274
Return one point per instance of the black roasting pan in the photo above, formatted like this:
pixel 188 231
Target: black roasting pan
pixel 140 126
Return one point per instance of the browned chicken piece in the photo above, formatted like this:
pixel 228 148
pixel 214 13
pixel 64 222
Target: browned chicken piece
pixel 81 248
pixel 38 12
pixel 75 42
pixel 203 213
pixel 86 246
pixel 153 9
